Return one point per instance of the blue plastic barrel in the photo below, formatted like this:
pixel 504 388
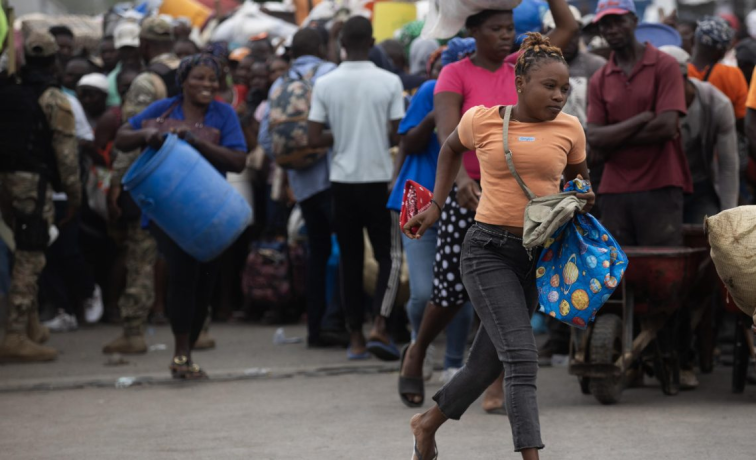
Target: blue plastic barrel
pixel 179 190
pixel 658 35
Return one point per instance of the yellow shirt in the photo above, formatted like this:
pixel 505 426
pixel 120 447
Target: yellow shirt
pixel 540 152
pixel 751 102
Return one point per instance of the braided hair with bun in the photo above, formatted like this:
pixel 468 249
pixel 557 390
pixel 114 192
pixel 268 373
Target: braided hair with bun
pixel 534 49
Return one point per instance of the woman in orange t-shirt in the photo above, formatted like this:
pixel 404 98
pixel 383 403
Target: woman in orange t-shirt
pixel 497 271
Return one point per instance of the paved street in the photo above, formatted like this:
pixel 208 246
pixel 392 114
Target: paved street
pixel 283 402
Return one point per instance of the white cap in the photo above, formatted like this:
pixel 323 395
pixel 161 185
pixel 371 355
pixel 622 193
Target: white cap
pixel 548 18
pixel 751 23
pixel 681 56
pixel 94 80
pixel 126 34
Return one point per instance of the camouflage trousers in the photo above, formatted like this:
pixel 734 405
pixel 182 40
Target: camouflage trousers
pixel 20 194
pixel 137 298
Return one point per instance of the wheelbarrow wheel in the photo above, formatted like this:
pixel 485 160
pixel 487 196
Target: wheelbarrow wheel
pixel 606 348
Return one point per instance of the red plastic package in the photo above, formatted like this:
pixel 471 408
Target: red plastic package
pixel 416 200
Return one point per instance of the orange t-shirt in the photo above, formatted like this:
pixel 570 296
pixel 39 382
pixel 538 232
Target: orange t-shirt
pixel 729 80
pixel 540 152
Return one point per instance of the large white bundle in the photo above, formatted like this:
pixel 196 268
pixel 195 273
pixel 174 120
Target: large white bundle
pixel 447 17
pixel 249 21
pixel 732 236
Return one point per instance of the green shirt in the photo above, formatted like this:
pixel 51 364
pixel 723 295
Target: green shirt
pixel 114 99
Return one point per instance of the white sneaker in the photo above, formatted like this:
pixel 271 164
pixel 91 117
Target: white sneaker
pixel 448 374
pixel 428 363
pixel 93 306
pixel 62 323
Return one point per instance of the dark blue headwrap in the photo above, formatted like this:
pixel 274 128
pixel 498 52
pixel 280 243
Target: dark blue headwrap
pixel 457 49
pixel 218 49
pixel 196 60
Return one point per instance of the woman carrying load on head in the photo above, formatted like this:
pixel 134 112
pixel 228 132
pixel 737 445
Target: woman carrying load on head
pixel 497 271
pixel 212 128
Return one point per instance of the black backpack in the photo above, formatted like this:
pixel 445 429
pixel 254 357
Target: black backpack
pixel 25 135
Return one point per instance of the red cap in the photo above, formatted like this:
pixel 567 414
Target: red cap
pixel 609 12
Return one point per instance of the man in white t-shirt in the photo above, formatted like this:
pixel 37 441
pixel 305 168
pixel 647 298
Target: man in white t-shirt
pixel 359 101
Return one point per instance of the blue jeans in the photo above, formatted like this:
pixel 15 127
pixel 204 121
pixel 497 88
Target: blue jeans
pixel 420 257
pixel 500 277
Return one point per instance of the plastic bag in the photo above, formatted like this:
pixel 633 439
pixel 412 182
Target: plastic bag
pixel 447 17
pixel 579 269
pixel 247 21
pixel 416 200
pixel 98 184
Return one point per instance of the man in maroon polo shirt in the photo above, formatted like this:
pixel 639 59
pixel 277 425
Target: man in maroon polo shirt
pixel 634 105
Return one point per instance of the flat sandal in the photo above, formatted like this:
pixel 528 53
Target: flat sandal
pixel 183 369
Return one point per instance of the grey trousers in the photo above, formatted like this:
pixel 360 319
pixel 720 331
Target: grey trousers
pixel 652 218
pixel 500 279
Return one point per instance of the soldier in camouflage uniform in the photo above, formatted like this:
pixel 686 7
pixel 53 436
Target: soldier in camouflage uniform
pixel 25 192
pixel 157 82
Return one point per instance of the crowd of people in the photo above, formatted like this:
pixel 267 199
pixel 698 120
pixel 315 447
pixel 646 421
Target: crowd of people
pixel 666 135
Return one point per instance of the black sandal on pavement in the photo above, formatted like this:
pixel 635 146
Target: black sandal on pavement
pixel 183 369
pixel 416 453
pixel 410 385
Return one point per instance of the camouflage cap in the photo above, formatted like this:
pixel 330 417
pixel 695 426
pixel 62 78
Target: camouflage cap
pixel 40 44
pixel 157 29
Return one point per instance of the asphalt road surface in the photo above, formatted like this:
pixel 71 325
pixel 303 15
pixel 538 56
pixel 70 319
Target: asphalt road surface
pixel 285 402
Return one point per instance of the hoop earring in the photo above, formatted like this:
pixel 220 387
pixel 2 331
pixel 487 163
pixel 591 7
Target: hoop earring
pixel 519 91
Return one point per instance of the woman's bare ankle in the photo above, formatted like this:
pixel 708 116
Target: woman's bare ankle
pixel 416 352
pixel 428 422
